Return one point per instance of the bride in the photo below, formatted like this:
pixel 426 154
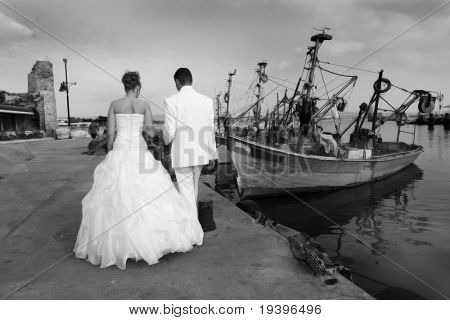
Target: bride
pixel 133 210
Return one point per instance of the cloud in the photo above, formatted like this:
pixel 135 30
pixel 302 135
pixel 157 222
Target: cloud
pixel 213 37
pixel 235 4
pixel 13 31
pixel 412 8
pixel 344 46
pixel 284 64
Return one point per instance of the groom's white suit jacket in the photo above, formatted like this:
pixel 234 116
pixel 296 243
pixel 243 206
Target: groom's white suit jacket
pixel 189 125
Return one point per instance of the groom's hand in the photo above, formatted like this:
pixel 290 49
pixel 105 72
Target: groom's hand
pixel 213 165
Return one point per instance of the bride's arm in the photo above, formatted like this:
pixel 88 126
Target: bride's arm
pixel 111 127
pixel 148 122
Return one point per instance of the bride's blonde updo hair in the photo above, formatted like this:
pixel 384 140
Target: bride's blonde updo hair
pixel 131 80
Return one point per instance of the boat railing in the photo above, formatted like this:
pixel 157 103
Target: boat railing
pixel 407 132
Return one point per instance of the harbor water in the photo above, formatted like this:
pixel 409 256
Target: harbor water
pixel 394 233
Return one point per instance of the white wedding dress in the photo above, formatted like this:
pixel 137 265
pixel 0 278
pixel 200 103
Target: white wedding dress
pixel 133 210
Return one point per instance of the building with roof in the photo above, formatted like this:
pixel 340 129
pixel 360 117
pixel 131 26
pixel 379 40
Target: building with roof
pixel 31 114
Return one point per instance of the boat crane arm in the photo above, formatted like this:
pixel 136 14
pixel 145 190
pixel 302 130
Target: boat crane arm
pixel 329 104
pixel 243 113
pixel 401 110
pixel 259 100
pixel 278 106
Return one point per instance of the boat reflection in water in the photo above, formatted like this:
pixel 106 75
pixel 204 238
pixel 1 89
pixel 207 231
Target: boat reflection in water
pixel 357 226
pixel 339 207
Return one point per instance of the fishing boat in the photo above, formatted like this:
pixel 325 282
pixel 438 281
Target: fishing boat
pixel 288 152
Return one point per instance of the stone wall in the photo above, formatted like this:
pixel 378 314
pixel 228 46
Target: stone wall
pixel 39 104
pixel 41 81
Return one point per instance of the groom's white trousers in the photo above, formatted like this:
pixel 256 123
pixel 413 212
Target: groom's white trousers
pixel 187 181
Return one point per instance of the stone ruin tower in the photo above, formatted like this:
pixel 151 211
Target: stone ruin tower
pixel 41 82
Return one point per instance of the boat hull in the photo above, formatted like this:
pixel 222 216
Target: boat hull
pixel 266 171
pixel 220 140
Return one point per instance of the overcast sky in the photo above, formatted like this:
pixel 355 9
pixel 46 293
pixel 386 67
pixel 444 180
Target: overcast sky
pixel 212 37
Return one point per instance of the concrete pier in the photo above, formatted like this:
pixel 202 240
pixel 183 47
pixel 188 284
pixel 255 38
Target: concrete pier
pixel 41 187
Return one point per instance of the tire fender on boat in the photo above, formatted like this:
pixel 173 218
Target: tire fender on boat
pixel 427 103
pixel 264 77
pixel 402 119
pixel 377 86
pixel 340 104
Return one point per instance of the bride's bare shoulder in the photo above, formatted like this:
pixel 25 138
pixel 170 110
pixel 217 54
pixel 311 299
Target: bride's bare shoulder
pixel 143 105
pixel 116 104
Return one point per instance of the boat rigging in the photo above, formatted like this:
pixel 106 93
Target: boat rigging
pixel 287 150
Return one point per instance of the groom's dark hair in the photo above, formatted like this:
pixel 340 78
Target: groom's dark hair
pixel 184 76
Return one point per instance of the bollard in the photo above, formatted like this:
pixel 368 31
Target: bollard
pixel 205 215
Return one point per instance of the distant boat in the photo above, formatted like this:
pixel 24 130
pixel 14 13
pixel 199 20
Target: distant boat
pixel 285 158
pixel 422 119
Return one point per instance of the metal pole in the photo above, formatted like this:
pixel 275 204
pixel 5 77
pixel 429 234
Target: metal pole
pixel 377 100
pixel 227 119
pixel 218 113
pixel 230 75
pixel 311 71
pixel 67 96
pixel 361 123
pixel 356 120
pixel 258 95
pixel 304 128
pixel 261 72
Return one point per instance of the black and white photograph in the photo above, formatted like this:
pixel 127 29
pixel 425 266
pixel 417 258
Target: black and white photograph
pixel 240 159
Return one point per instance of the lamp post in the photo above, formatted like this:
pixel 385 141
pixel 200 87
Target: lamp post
pixel 65 87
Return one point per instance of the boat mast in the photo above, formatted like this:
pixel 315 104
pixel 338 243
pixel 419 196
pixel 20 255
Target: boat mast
pixel 226 97
pixel 219 107
pixel 307 103
pixel 377 100
pixel 310 84
pixel 318 39
pixel 261 79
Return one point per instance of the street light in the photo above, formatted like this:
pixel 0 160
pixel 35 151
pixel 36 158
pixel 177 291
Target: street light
pixel 65 87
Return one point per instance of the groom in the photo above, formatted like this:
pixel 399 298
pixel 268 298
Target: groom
pixel 189 126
